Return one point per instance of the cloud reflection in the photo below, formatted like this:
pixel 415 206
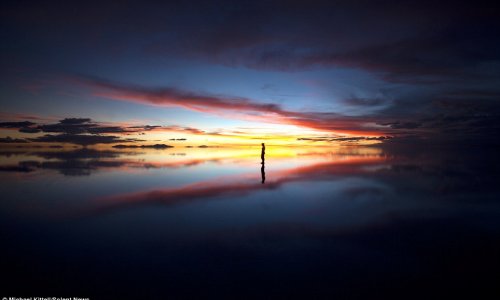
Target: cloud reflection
pixel 86 161
pixel 238 186
pixel 431 177
pixel 378 175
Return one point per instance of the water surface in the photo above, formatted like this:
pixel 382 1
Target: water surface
pixel 309 222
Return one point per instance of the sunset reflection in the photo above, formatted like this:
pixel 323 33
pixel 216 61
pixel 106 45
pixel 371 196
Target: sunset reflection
pixel 323 199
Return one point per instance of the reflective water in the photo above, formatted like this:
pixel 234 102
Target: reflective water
pixel 307 222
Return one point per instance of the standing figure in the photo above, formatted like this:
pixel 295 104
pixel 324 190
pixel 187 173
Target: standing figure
pixel 263 160
pixel 263 153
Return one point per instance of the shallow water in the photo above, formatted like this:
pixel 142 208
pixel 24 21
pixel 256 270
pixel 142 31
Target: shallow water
pixel 187 222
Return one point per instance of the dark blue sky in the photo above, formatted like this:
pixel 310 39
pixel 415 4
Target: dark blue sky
pixel 308 70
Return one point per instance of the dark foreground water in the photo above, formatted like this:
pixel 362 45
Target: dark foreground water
pixel 212 223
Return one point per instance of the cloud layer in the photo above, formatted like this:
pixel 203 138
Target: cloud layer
pixel 442 59
pixel 84 131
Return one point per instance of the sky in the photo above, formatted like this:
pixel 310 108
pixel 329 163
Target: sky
pixel 245 72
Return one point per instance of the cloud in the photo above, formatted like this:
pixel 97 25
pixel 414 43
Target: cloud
pixel 443 113
pixel 87 126
pixel 457 116
pixel 155 146
pixel 431 42
pixel 81 139
pixel 8 140
pixel 16 124
pixel 244 108
pixel 146 127
pixel 345 139
pixel 75 121
pixel 169 96
pixel 445 117
pixel 402 125
pixel 84 131
pixel 190 130
pixel 80 126
pixel 67 126
pixel 29 130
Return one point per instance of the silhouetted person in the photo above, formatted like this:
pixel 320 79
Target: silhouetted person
pixel 263 153
pixel 263 162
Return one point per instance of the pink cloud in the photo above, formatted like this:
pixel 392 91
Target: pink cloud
pixel 235 107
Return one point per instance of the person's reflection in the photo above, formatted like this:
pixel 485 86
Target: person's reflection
pixel 262 157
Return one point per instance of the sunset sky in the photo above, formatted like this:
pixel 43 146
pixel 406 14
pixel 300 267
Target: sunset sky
pixel 246 149
pixel 238 72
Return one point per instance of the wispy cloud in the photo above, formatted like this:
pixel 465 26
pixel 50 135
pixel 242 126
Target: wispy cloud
pixel 244 108
pixel 9 140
